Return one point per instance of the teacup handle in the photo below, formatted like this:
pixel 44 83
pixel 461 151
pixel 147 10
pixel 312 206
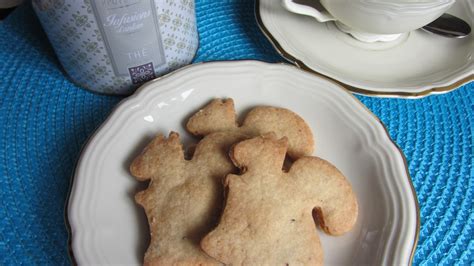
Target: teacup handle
pixel 307 10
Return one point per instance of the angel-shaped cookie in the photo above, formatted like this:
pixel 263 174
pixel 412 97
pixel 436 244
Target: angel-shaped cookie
pixel 185 197
pixel 267 219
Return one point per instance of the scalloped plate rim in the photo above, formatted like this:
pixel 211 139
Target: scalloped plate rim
pixel 145 90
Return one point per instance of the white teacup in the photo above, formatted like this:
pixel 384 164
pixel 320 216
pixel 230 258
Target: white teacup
pixel 372 20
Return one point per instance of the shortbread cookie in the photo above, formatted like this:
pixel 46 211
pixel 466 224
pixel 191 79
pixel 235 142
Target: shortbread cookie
pixel 219 115
pixel 267 219
pixel 184 197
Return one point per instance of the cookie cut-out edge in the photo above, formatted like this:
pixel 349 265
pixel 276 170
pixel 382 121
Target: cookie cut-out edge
pixel 220 115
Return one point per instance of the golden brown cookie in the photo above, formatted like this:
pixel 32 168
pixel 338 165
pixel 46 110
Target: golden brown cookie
pixel 219 115
pixel 184 198
pixel 267 219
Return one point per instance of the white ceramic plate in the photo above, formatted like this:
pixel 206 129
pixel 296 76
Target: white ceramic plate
pixel 415 65
pixel 109 228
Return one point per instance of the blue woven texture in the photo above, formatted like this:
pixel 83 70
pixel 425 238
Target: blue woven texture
pixel 45 119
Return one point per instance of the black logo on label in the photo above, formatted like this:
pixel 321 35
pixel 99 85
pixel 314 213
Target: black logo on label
pixel 141 74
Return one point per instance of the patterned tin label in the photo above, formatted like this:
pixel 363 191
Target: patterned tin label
pixel 76 31
pixel 132 36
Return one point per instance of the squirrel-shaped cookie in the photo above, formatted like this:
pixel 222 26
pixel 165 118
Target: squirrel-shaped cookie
pixel 185 197
pixel 267 219
pixel 219 115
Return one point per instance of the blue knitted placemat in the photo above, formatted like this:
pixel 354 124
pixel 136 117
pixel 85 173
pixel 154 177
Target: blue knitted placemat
pixel 45 119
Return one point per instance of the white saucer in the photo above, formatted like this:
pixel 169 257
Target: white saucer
pixel 109 228
pixel 416 64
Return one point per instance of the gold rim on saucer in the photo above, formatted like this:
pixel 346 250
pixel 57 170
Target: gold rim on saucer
pixel 398 94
